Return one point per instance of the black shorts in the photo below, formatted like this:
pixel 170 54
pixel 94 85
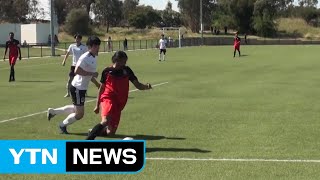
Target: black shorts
pixel 71 73
pixel 163 51
pixel 78 96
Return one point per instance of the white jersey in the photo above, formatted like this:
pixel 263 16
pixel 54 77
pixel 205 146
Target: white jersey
pixel 162 43
pixel 87 62
pixel 76 51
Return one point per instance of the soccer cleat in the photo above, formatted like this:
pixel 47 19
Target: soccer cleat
pixel 50 114
pixel 67 95
pixel 63 130
pixel 89 131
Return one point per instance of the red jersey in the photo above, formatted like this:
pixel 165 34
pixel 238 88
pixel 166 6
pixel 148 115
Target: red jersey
pixel 236 42
pixel 116 82
pixel 13 46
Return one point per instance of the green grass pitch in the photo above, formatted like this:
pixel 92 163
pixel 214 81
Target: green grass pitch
pixel 262 106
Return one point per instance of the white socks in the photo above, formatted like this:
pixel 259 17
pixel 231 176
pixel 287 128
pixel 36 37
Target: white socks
pixel 69 120
pixel 65 110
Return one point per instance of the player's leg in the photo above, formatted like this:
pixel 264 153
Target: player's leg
pixel 160 54
pixel 68 109
pixel 12 62
pixel 234 52
pixel 164 54
pixel 239 51
pixel 78 98
pixel 107 109
pixel 113 124
pixel 71 76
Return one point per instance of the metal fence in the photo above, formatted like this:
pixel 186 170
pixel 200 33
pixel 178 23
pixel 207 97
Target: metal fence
pixel 43 50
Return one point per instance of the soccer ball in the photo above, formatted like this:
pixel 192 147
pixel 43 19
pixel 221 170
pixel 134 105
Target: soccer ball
pixel 128 138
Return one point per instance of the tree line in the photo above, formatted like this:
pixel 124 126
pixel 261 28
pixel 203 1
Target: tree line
pixel 247 16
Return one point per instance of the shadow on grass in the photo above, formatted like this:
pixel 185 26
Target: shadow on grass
pixel 136 137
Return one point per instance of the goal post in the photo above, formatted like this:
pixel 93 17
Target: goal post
pixel 164 29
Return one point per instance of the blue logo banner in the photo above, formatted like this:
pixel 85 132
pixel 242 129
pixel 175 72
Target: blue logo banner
pixel 65 157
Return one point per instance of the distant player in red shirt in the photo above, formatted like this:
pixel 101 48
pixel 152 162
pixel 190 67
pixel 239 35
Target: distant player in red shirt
pixel 236 45
pixel 14 52
pixel 113 94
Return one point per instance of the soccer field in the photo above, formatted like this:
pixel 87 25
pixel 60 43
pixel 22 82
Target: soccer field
pixel 211 116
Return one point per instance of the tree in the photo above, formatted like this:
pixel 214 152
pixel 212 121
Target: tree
pixel 138 20
pixel 145 16
pixel 62 7
pixel 108 12
pixel 129 8
pixel 308 3
pixel 264 14
pixel 35 12
pixel 77 21
pixel 14 11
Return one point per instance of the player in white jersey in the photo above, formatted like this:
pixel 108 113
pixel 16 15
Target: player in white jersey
pixel 162 47
pixel 86 71
pixel 76 49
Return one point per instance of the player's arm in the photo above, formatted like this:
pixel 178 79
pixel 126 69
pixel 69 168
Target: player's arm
pixel 66 56
pixel 95 82
pixel 101 89
pixel 79 69
pixel 19 50
pixel 82 72
pixel 141 86
pixel 5 52
pixel 136 82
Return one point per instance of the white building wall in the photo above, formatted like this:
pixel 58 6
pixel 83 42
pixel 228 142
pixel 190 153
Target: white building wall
pixel 29 33
pixel 43 31
pixel 6 28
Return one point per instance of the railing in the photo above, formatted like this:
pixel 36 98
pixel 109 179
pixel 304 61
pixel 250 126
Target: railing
pixel 43 50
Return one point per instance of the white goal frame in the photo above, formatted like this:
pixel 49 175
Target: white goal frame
pixel 173 28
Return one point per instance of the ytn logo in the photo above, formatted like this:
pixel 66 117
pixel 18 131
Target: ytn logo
pixel 99 156
pixel 32 152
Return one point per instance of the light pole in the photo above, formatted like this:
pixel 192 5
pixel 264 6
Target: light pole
pixel 52 29
pixel 201 23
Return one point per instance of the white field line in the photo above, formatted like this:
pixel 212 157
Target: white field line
pixel 236 160
pixel 34 114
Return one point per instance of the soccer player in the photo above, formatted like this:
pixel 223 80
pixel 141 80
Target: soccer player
pixel 77 49
pixel 236 45
pixel 14 51
pixel 85 70
pixel 162 47
pixel 113 94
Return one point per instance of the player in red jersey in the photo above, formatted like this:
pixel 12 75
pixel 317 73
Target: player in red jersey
pixel 236 45
pixel 14 52
pixel 113 94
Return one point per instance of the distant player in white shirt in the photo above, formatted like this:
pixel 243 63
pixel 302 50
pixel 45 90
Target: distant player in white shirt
pixel 86 71
pixel 76 49
pixel 163 48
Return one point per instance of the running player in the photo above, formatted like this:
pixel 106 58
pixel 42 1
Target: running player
pixel 85 70
pixel 14 52
pixel 113 94
pixel 162 47
pixel 236 45
pixel 77 49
